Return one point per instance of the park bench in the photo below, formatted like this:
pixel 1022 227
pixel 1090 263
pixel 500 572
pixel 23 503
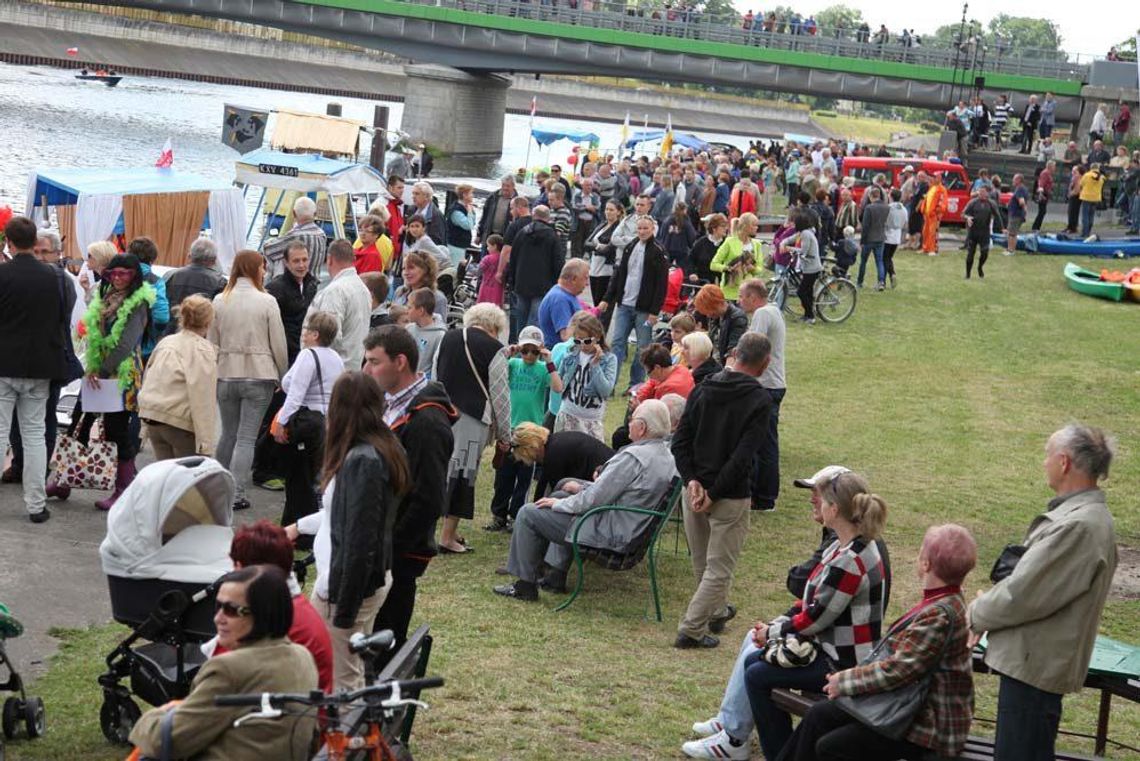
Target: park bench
pixel 409 662
pixel 644 543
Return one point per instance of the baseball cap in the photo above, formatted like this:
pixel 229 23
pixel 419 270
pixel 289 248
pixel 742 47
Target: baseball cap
pixel 823 474
pixel 532 336
pixel 908 168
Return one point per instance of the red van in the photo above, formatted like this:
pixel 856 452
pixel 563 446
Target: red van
pixel 954 177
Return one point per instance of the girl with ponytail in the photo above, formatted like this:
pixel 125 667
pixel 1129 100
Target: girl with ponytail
pixel 738 258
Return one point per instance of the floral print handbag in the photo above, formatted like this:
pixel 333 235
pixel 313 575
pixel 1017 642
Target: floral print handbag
pixel 85 466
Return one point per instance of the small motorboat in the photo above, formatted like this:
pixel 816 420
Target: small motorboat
pixel 108 78
pixel 1089 283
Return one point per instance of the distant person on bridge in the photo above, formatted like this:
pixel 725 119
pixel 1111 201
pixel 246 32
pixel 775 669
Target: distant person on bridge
pixel 933 207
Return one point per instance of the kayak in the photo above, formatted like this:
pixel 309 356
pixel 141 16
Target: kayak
pixel 1089 283
pixel 1117 248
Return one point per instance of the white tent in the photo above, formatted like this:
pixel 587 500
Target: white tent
pixel 173 523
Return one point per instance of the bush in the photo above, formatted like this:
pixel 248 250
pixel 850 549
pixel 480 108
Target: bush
pixel 828 114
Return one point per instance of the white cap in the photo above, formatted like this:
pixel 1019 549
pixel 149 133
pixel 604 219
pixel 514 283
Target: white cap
pixel 824 474
pixel 531 335
pixel 908 168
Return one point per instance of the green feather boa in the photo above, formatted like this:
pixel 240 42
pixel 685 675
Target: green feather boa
pixel 99 345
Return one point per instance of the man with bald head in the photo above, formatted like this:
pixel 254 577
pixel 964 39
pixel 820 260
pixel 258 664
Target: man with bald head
pixel 561 302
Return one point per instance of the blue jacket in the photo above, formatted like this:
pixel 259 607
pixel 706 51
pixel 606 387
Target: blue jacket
pixel 159 311
pixel 603 375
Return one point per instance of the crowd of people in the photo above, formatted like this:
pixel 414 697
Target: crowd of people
pixel 338 378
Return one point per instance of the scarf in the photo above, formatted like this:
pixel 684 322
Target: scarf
pixel 100 344
pixel 111 301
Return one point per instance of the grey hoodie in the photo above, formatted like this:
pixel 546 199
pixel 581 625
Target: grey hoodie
pixel 427 341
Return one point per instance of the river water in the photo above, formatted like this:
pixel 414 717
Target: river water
pixel 51 119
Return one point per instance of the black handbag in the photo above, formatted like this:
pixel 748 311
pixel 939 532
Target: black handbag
pixel 892 712
pixel 306 424
pixel 1006 562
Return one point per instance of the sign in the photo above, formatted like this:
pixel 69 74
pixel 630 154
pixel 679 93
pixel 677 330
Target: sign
pixel 276 169
pixel 243 129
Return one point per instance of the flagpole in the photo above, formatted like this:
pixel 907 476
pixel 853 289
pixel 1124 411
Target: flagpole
pixel 530 136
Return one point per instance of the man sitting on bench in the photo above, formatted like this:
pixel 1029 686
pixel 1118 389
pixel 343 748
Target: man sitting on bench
pixel 637 476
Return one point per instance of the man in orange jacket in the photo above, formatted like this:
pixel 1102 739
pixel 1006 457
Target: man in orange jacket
pixel 933 207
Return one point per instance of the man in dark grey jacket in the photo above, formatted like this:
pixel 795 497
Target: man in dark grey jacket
pixel 874 235
pixel 200 276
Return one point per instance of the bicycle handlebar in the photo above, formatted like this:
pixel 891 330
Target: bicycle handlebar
pixel 318 698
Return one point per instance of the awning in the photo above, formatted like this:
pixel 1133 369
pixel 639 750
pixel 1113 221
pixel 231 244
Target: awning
pixel 306 173
pixel 64 186
pixel 300 131
pixel 546 137
pixel 685 139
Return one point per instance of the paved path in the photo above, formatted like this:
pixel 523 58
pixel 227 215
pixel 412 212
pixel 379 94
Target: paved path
pixel 50 574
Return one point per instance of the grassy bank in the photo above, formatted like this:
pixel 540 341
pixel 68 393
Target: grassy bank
pixel 862 129
pixel 941 392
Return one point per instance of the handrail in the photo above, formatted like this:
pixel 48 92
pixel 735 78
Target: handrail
pixel 837 42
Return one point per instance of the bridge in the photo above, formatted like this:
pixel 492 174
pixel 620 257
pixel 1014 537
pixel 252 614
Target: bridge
pixel 460 45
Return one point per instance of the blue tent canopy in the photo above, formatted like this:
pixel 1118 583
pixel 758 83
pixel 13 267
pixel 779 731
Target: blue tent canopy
pixel 63 186
pixel 546 137
pixel 679 138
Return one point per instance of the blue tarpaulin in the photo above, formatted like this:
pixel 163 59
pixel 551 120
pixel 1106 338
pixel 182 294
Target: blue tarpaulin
pixel 63 186
pixel 683 139
pixel 546 137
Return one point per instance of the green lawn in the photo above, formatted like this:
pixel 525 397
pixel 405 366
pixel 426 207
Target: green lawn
pixel 941 392
pixel 863 129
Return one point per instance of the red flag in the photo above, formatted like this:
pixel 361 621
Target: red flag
pixel 73 51
pixel 533 105
pixel 166 159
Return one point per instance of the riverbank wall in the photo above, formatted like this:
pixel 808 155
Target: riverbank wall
pixel 40 35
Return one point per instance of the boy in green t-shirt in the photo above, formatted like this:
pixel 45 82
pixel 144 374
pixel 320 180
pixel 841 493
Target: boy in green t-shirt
pixel 529 382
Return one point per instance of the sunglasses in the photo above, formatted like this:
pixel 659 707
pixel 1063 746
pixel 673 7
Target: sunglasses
pixel 585 341
pixel 529 350
pixel 229 610
pixel 119 272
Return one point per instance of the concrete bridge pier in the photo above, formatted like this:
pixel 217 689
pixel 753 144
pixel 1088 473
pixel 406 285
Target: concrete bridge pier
pixel 455 112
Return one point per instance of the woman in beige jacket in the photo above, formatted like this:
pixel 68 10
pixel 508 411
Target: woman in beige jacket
pixel 252 357
pixel 178 400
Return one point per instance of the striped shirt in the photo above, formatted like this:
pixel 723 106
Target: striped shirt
pixel 842 606
pixel 1001 115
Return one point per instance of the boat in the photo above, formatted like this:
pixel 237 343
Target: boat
pixel 1089 283
pixel 108 79
pixel 1107 248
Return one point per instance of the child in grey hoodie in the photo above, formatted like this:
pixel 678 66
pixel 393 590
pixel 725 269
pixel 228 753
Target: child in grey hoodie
pixel 425 326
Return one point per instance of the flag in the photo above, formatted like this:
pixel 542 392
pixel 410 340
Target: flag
pixel 533 105
pixel 624 132
pixel 243 129
pixel 73 51
pixel 667 141
pixel 166 160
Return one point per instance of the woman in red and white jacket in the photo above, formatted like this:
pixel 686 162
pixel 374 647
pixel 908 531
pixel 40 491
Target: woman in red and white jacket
pixel 841 610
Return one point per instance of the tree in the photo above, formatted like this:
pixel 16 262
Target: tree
pixel 1025 36
pixel 838 17
pixel 719 9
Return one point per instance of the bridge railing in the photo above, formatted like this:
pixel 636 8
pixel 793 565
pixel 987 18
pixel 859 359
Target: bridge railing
pixel 612 14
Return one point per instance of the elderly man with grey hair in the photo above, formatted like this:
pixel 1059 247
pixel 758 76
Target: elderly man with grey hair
pixel 423 203
pixel 1041 616
pixel 200 276
pixel 306 230
pixel 497 211
pixel 637 476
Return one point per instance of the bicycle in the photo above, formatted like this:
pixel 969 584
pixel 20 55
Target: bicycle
pixel 834 295
pixel 360 734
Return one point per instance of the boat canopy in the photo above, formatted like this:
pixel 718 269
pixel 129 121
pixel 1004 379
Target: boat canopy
pixel 686 139
pixel 94 203
pixel 307 173
pixel 301 131
pixel 546 137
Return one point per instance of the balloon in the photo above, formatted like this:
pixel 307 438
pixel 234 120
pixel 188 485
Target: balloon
pixel 572 159
pixel 5 217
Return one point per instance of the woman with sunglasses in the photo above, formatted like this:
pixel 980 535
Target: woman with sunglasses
pixel 115 324
pixel 254 613
pixel 589 371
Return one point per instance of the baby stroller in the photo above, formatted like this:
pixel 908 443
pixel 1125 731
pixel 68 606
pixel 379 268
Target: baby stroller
pixel 168 541
pixel 466 289
pixel 23 710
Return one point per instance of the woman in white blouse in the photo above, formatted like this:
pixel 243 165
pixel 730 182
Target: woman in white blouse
pixel 300 424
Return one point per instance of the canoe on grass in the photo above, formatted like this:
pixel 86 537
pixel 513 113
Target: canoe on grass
pixel 1117 248
pixel 1089 283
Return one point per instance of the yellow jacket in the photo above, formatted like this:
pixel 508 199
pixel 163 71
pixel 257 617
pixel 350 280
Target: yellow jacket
pixel 1092 187
pixel 936 200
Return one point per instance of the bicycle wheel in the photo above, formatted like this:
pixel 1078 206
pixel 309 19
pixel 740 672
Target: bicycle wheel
pixel 792 303
pixel 776 292
pixel 835 299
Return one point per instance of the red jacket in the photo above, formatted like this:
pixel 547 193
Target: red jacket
pixel 309 631
pixel 396 227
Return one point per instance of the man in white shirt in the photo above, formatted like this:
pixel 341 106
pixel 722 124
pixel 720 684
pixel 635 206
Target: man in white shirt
pixel 767 320
pixel 348 299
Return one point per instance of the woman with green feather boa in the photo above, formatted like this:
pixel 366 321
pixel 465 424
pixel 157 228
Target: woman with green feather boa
pixel 116 323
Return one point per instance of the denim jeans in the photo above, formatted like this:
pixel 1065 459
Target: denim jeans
pixel 1088 215
pixel 766 462
pixel 773 724
pixel 1134 212
pixel 28 398
pixel 524 312
pixel 628 319
pixel 735 712
pixel 879 266
pixel 242 404
pixel 51 426
pixel 1027 721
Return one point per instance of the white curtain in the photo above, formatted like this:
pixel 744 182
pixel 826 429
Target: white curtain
pixel 227 224
pixel 95 218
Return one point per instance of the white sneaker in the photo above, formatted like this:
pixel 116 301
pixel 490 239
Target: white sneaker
pixel 716 746
pixel 706 728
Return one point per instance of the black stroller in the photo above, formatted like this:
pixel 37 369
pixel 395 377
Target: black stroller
pixel 22 711
pixel 168 541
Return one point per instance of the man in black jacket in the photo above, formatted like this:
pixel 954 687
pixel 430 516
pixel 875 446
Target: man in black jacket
pixel 31 353
pixel 723 426
pixel 200 276
pixel 421 414
pixel 1030 118
pixel 636 293
pixel 536 262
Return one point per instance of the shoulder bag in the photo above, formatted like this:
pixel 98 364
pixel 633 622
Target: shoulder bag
pixel 1006 562
pixel 306 424
pixel 892 712
pixel 500 457
pixel 80 465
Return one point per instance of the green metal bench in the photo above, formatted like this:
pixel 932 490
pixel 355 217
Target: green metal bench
pixel 644 545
